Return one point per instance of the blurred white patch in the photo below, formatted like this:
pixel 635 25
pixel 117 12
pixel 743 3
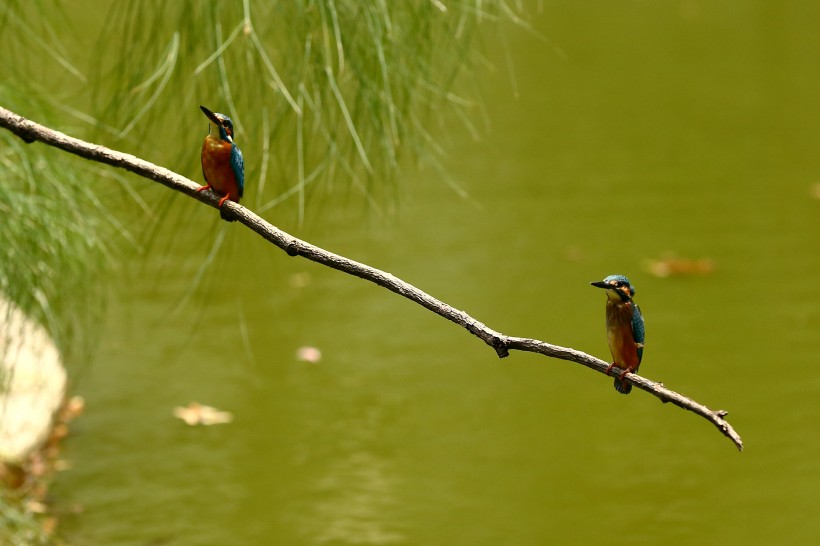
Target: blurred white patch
pixel 32 383
pixel 308 354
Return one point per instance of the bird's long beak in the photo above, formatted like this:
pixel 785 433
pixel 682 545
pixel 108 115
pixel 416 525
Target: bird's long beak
pixel 211 116
pixel 601 284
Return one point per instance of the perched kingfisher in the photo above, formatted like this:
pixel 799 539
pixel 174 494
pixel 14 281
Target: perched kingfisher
pixel 624 328
pixel 222 164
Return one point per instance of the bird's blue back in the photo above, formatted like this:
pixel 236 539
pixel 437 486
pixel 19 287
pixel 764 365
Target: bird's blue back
pixel 638 329
pixel 238 167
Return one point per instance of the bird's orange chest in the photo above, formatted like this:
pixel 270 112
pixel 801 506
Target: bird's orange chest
pixel 619 334
pixel 216 167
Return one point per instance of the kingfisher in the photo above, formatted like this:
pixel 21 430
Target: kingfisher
pixel 222 164
pixel 624 328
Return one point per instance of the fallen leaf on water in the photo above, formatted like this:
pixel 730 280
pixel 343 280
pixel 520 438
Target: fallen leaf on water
pixel 308 354
pixel 671 265
pixel 199 414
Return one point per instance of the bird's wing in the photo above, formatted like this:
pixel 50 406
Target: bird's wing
pixel 238 166
pixel 638 329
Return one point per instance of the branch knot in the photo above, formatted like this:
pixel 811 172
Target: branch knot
pixel 500 346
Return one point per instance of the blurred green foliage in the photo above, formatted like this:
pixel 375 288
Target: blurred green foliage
pixel 326 96
pixel 53 229
pixel 20 527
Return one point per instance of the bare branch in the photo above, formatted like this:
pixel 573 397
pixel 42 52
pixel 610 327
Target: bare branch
pixel 501 343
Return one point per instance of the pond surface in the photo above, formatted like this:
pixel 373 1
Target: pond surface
pixel 636 131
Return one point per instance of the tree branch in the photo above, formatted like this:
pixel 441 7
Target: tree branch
pixel 501 343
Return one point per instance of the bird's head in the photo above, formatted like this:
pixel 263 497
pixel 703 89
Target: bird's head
pixel 617 287
pixel 222 122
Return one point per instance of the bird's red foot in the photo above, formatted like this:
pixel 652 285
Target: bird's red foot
pixel 629 369
pixel 203 188
pixel 221 201
pixel 609 368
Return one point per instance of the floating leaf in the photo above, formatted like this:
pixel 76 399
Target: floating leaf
pixel 198 414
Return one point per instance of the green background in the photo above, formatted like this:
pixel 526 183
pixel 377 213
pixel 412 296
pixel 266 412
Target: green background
pixel 629 130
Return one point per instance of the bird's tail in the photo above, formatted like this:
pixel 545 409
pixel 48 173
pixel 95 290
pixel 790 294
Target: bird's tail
pixel 622 386
pixel 227 216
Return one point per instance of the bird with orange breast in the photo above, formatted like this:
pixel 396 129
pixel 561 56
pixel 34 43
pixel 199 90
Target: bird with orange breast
pixel 624 328
pixel 222 163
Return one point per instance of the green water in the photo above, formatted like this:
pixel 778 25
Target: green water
pixel 680 127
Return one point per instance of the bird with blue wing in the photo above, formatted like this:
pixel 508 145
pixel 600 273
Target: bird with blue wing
pixel 625 329
pixel 222 163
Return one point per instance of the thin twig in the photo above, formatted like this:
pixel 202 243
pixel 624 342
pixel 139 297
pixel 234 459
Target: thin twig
pixel 501 343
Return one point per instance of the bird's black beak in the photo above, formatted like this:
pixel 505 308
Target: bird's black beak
pixel 601 284
pixel 211 116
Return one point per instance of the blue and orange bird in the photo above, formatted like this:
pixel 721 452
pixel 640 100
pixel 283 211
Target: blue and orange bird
pixel 624 328
pixel 222 164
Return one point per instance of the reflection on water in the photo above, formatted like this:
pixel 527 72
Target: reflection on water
pixel 350 494
pixel 358 502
